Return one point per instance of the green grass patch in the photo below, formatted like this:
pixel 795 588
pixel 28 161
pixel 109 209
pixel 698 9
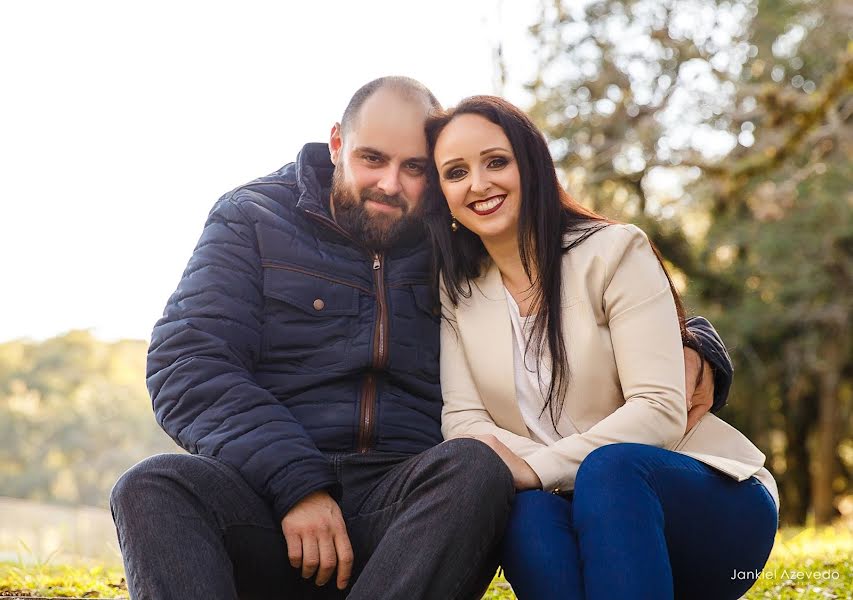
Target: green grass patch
pixel 808 563
pixel 805 563
pixel 61 581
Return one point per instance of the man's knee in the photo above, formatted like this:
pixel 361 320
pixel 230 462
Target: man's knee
pixel 477 465
pixel 138 481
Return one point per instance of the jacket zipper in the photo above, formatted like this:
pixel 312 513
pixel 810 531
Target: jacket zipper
pixel 380 360
pixel 367 404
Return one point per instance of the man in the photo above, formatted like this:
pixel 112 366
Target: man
pixel 297 363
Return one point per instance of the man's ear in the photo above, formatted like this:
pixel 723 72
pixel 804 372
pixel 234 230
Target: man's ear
pixel 336 143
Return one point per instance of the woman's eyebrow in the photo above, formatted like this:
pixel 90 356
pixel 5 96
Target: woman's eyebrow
pixel 487 150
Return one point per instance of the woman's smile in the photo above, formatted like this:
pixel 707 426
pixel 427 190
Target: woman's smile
pixel 487 206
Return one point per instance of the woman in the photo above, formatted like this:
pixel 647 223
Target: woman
pixel 561 348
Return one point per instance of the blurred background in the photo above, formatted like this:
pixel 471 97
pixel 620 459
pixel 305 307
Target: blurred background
pixel 723 128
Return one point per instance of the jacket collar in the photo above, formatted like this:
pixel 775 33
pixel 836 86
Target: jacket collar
pixel 314 170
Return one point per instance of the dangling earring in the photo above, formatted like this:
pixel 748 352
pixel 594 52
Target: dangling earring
pixel 454 224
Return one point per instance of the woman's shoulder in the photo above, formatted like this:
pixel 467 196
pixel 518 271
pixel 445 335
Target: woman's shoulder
pixel 603 238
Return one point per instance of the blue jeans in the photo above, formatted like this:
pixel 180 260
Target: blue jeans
pixel 643 523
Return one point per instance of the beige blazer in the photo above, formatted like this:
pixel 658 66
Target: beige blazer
pixel 626 365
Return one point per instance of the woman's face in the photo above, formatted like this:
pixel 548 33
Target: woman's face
pixel 479 177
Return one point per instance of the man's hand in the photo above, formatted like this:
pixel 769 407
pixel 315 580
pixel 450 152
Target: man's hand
pixel 524 477
pixel 700 394
pixel 317 539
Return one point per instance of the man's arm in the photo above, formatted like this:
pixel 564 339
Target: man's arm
pixel 710 346
pixel 709 370
pixel 200 376
pixel 201 362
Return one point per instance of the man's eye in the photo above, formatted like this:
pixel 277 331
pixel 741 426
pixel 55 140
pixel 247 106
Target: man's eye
pixel 371 158
pixel 415 168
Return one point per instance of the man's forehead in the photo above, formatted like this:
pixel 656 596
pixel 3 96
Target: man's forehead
pixel 389 142
pixel 391 118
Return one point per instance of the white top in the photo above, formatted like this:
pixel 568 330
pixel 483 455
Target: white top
pixel 530 386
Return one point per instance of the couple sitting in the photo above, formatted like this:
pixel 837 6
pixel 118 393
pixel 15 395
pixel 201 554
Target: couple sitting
pixel 298 364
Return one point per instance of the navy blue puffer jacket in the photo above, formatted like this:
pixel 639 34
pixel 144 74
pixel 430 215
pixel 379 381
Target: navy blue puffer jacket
pixel 285 338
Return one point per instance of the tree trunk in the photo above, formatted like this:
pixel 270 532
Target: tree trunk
pixel 796 485
pixel 828 434
pixel 799 412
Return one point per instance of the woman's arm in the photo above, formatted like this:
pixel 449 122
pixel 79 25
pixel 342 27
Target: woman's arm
pixel 644 331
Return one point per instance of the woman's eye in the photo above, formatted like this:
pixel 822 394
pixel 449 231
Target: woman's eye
pixel 454 173
pixel 497 163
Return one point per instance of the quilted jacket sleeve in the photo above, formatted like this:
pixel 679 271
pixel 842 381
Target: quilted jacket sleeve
pixel 200 369
pixel 710 345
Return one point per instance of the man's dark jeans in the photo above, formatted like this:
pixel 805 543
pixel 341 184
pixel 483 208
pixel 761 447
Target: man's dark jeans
pixel 424 526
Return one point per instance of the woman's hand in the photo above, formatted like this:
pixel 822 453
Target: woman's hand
pixel 524 477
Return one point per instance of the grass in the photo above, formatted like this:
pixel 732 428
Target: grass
pixel 805 564
pixel 62 581
pixel 808 563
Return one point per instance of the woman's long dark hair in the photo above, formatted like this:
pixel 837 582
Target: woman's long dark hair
pixel 547 213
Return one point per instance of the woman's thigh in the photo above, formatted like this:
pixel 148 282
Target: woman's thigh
pixel 716 528
pixel 539 553
pixel 680 518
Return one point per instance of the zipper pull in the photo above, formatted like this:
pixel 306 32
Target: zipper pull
pixel 376 263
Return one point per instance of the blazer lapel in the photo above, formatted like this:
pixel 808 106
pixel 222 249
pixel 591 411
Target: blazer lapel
pixel 484 324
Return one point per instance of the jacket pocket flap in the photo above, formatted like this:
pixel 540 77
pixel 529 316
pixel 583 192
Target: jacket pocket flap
pixel 312 294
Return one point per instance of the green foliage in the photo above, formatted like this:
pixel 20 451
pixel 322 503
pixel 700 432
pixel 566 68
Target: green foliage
pixel 723 129
pixel 74 414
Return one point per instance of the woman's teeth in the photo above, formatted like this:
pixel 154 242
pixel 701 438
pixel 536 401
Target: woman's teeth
pixel 485 206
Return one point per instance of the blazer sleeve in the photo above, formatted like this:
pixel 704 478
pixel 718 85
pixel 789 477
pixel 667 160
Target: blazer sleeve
pixel 201 365
pixel 463 412
pixel 641 314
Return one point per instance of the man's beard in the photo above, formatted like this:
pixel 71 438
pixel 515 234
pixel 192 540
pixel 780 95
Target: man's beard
pixel 376 231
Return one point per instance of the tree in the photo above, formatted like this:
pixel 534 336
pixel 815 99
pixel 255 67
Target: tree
pixel 74 414
pixel 723 129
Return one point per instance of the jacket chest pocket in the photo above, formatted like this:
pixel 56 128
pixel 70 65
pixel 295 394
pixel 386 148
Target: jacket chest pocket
pixel 312 295
pixel 309 321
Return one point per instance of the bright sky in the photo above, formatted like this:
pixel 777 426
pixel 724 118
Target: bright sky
pixel 121 124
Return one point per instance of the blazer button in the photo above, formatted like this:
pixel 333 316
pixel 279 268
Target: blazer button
pixel 319 304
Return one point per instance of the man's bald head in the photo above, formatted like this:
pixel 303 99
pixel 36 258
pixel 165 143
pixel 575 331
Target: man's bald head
pixel 380 154
pixel 405 87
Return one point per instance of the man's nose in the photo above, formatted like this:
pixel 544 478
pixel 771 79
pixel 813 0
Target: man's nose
pixel 390 181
